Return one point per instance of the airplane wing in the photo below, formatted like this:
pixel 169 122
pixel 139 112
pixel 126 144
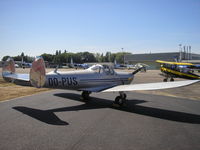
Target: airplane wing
pixel 97 89
pixel 173 63
pixel 150 86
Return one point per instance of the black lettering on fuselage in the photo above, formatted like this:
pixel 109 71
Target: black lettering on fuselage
pixel 55 81
pixel 69 81
pixel 75 81
pixel 50 81
pixel 64 81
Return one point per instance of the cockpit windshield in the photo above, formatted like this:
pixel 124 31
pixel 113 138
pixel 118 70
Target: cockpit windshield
pixel 96 68
pixel 102 69
pixel 108 69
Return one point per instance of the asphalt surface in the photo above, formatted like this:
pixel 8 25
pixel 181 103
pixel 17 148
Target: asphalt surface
pixel 59 120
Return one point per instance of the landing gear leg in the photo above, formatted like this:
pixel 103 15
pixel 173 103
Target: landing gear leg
pixel 86 96
pixel 120 100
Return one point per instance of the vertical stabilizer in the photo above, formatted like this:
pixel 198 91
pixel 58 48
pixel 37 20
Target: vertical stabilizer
pixel 9 66
pixel 37 73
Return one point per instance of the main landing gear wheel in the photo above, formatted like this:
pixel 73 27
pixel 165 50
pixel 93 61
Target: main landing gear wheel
pixel 86 95
pixel 172 79
pixel 165 80
pixel 120 100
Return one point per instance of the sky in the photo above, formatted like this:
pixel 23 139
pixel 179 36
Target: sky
pixel 138 26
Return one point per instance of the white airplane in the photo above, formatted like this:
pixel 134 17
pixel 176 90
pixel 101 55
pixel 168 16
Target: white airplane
pixel 75 65
pixel 97 78
pixel 138 65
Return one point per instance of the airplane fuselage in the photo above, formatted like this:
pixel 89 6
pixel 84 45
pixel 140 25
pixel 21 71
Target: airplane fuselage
pixel 178 74
pixel 85 79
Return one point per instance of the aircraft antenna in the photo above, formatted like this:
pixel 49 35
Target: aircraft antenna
pixel 56 69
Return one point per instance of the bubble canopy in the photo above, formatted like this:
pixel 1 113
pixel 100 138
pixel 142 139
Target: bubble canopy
pixel 102 69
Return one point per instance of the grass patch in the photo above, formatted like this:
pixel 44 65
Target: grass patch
pixel 10 90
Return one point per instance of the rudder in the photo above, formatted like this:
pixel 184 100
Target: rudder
pixel 8 68
pixel 37 73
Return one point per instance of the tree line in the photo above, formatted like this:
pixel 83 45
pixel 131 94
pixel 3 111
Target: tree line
pixel 81 57
pixel 25 58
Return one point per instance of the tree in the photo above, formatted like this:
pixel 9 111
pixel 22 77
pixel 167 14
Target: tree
pixel 47 57
pixel 98 57
pixel 102 58
pixel 56 52
pixel 17 58
pixel 5 58
pixel 29 59
pixel 107 56
pixel 112 57
pixel 120 57
pixel 22 54
pixel 88 57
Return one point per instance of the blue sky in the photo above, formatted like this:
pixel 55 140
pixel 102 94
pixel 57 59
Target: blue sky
pixel 139 26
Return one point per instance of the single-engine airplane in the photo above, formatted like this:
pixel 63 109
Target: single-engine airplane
pixel 178 70
pixel 138 65
pixel 97 78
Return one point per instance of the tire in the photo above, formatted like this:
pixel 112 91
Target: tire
pixel 85 95
pixel 119 100
pixel 124 96
pixel 164 80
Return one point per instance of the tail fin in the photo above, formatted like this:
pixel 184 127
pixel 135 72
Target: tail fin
pixel 8 68
pixel 37 73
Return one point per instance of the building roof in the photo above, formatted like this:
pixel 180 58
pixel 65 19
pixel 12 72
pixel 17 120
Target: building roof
pixel 161 56
pixel 152 57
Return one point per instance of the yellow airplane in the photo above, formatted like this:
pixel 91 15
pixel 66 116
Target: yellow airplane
pixel 171 70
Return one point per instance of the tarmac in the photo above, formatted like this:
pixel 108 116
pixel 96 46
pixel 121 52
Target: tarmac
pixel 58 119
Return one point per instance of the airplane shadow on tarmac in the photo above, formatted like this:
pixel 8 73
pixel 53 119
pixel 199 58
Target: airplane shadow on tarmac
pixel 48 116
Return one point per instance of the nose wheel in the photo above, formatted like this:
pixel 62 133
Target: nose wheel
pixel 120 100
pixel 166 79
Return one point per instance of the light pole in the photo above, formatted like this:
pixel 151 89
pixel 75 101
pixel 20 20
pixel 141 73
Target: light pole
pixel 180 49
pixel 123 55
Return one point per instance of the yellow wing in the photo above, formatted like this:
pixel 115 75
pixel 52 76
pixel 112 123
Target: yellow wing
pixel 173 63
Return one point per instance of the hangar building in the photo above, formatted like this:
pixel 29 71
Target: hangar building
pixel 152 57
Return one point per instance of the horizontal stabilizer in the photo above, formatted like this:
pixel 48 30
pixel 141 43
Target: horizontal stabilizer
pixel 15 76
pixel 150 86
pixel 36 76
pixel 8 72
